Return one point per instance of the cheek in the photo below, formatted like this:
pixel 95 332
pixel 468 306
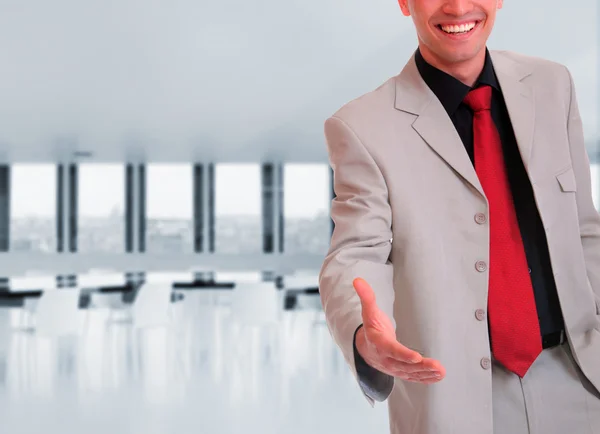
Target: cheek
pixel 488 26
pixel 489 5
pixel 425 33
pixel 421 22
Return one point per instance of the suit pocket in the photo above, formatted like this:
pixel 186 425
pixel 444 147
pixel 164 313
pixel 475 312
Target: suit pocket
pixel 566 180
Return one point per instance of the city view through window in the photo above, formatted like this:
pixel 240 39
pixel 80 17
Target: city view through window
pixel 169 208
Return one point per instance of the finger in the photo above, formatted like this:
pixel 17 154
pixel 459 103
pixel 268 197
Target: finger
pixel 426 365
pixel 367 297
pixel 424 380
pixel 431 381
pixel 433 365
pixel 395 350
pixel 423 375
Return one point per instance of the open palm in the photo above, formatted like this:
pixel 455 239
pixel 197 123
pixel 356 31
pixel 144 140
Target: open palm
pixel 377 344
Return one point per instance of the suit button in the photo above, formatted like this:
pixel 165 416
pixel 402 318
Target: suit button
pixel 480 218
pixel 480 266
pixel 486 363
pixel 480 314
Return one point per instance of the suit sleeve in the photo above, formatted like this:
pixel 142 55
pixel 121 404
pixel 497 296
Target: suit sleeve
pixel 376 385
pixel 360 247
pixel 589 219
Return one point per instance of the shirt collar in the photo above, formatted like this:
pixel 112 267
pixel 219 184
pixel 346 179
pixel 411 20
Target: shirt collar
pixel 449 90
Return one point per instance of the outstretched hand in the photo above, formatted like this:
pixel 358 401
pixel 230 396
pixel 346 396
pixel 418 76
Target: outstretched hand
pixel 377 344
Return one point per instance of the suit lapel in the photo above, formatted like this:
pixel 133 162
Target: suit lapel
pixel 519 100
pixel 433 123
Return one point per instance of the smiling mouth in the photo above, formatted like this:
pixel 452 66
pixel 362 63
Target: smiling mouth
pixel 458 29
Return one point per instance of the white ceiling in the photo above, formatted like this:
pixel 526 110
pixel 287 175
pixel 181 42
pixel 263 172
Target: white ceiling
pixel 227 79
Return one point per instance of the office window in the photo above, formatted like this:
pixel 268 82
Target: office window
pixel 33 208
pixel 306 208
pixel 238 224
pixel 101 205
pixel 169 206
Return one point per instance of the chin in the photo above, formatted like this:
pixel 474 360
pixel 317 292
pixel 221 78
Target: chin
pixel 461 55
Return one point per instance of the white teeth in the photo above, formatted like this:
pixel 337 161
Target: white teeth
pixel 463 28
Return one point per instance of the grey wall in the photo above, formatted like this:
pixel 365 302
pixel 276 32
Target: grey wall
pixel 229 79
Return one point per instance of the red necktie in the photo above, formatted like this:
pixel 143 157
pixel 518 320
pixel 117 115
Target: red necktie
pixel 512 313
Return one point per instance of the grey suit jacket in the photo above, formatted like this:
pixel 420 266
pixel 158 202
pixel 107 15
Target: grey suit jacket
pixel 406 197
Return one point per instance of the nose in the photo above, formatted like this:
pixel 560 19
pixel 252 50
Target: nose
pixel 458 8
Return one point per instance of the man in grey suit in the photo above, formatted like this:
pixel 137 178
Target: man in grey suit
pixel 463 279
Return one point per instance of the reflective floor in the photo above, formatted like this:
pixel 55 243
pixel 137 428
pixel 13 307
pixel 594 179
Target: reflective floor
pixel 203 372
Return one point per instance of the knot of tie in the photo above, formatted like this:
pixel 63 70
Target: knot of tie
pixel 479 99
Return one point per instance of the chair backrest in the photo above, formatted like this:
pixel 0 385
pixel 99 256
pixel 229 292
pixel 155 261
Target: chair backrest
pixel 255 303
pixel 152 305
pixel 154 277
pixel 57 313
pixel 100 278
pixel 32 282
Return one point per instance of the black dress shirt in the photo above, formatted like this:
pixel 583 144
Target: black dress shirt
pixel 451 93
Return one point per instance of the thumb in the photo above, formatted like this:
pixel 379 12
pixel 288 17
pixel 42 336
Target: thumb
pixel 367 297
